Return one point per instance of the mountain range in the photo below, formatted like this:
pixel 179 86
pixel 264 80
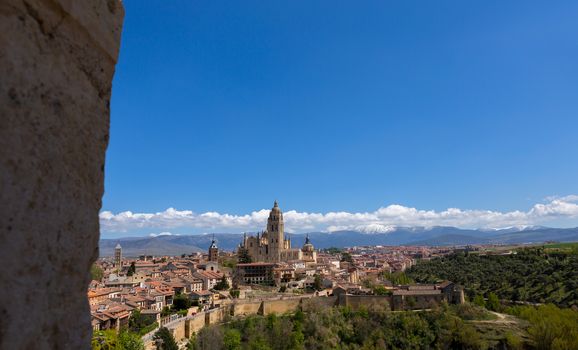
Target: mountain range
pixel 423 236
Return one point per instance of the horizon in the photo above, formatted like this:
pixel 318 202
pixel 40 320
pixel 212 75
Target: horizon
pixel 170 234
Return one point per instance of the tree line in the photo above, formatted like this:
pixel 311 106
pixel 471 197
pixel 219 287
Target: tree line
pixel 530 275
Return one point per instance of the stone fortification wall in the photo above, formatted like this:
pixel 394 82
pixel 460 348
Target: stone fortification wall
pixel 356 302
pixel 247 308
pixel 57 60
pixel 314 304
pixel 192 324
pixel 280 306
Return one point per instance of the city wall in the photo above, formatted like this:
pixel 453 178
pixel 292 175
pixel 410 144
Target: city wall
pixel 281 306
pixel 247 308
pixel 355 302
pixel 187 326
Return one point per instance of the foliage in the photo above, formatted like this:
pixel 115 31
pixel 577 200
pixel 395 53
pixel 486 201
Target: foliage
pixel 343 328
pixel 130 341
pixel 243 256
pixel 479 300
pixel 166 311
pixel 181 302
pixel 131 269
pixel 223 284
pixel 550 326
pixel 235 293
pixel 104 340
pixel 493 302
pixel 514 342
pixel 231 263
pixel 397 278
pixel 167 340
pixel 381 290
pixel 140 324
pixel 96 272
pixel 333 250
pixel 317 283
pixel 346 257
pixel 232 339
pixel 110 340
pixel 530 275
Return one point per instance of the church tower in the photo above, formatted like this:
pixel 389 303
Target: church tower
pixel 118 257
pixel 213 251
pixel 275 233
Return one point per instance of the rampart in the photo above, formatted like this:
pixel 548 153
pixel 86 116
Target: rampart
pixel 185 327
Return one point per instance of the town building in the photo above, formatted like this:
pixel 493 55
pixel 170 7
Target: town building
pixel 256 273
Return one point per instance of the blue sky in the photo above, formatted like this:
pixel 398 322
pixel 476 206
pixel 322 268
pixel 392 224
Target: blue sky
pixel 343 107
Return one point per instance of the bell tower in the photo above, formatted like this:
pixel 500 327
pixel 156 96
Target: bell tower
pixel 213 251
pixel 275 230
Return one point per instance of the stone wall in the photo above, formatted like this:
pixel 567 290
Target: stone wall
pixel 366 301
pixel 280 306
pixel 194 325
pixel 247 308
pixel 315 304
pixel 57 60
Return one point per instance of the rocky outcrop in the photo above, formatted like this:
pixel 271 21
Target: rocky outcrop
pixel 57 60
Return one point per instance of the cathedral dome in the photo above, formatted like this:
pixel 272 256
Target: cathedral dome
pixel 308 247
pixel 275 207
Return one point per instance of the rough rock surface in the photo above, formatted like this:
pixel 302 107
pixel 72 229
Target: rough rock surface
pixel 57 60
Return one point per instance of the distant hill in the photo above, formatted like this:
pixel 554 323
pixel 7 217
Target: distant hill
pixel 432 236
pixel 451 240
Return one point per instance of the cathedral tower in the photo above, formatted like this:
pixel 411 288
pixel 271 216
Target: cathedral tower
pixel 275 233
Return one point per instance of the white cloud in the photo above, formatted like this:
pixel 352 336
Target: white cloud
pixel 383 219
pixel 163 234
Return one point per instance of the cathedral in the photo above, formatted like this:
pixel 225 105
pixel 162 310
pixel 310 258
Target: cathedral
pixel 271 245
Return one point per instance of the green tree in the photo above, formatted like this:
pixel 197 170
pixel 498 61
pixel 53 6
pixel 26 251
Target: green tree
pixel 166 311
pixel 479 300
pixel 550 326
pixel 532 274
pixel 333 250
pixel 397 278
pixel 209 338
pixel 96 272
pixel 381 290
pixel 130 341
pixel 243 256
pixel 232 339
pixel 346 257
pixel 317 282
pixel 493 302
pixel 181 302
pixel 223 284
pixel 104 340
pixel 140 324
pixel 131 269
pixel 166 339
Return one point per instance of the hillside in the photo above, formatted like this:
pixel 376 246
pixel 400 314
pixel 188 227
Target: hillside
pixel 532 275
